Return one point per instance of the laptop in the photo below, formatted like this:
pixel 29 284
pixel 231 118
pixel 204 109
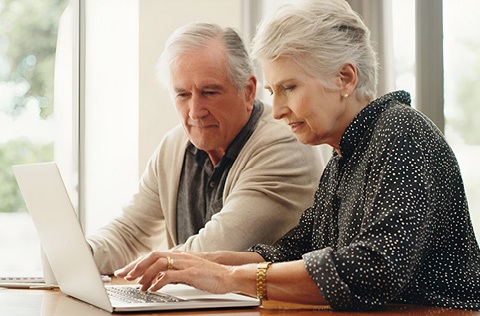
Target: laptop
pixel 72 262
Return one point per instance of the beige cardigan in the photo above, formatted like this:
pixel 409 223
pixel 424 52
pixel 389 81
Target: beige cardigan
pixel 270 184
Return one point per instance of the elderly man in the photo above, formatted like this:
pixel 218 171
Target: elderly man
pixel 229 177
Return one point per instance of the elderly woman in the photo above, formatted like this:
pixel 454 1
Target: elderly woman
pixel 390 221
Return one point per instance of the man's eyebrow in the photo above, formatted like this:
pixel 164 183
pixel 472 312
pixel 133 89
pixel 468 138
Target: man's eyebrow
pixel 213 87
pixel 178 89
pixel 217 87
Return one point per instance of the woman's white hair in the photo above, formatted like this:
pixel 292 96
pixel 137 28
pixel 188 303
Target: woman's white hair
pixel 193 36
pixel 321 36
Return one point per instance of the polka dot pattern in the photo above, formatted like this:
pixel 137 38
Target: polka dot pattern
pixel 390 221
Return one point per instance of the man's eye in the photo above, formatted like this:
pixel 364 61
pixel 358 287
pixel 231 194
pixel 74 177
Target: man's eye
pixel 210 92
pixel 181 95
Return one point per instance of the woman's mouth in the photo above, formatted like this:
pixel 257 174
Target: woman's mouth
pixel 294 126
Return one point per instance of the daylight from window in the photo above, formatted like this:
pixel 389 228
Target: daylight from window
pixel 462 82
pixel 462 93
pixel 28 36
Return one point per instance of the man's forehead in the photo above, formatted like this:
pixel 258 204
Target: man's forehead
pixel 205 86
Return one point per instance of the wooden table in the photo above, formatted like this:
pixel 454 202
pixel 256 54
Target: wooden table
pixel 15 302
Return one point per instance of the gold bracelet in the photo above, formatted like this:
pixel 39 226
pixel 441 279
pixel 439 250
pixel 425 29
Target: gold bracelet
pixel 261 279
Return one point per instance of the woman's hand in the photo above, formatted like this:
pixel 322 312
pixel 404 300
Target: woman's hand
pixel 153 273
pixel 287 281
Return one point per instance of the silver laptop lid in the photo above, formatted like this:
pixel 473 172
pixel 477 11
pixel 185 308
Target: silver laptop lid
pixel 61 236
pixel 70 256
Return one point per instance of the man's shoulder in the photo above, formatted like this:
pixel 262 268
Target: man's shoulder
pixel 174 140
pixel 274 129
pixel 271 135
pixel 176 134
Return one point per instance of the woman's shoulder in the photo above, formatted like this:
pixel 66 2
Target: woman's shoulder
pixel 401 119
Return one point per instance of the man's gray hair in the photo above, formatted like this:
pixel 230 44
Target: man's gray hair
pixel 322 36
pixel 193 36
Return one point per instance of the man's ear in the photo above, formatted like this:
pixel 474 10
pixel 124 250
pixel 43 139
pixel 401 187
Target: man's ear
pixel 250 89
pixel 348 77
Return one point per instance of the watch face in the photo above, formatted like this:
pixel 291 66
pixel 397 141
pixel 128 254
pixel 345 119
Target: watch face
pixel 261 279
pixel 264 265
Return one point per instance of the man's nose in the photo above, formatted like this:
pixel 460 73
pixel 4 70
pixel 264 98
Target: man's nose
pixel 197 107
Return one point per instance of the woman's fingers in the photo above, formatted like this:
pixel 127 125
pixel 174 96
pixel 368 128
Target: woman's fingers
pixel 152 273
pixel 137 267
pixel 121 273
pixel 157 269
pixel 192 270
pixel 165 278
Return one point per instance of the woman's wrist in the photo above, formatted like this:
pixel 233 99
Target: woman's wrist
pixel 243 279
pixel 261 279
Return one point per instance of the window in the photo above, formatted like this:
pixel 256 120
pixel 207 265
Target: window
pixel 403 25
pixel 28 116
pixel 462 93
pixel 461 65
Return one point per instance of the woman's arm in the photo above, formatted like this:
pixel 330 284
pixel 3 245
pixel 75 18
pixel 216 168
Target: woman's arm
pixel 290 282
pixel 230 258
pixel 143 263
pixel 287 281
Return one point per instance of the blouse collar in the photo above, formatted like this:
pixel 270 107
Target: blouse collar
pixel 354 132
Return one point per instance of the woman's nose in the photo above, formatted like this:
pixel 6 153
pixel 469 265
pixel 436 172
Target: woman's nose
pixel 280 109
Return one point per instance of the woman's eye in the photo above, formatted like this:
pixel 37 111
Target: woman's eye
pixel 290 88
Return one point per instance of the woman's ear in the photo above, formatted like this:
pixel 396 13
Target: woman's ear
pixel 348 77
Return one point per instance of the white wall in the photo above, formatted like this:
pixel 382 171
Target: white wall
pixel 110 115
pixel 158 19
pixel 126 111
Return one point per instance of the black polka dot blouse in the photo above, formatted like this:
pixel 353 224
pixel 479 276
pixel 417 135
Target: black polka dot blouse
pixel 390 220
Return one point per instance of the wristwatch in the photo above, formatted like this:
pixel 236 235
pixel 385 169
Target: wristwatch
pixel 261 279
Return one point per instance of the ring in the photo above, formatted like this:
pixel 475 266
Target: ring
pixel 169 263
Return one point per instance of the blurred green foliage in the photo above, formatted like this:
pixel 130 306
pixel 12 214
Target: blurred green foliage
pixel 467 101
pixel 18 152
pixel 28 35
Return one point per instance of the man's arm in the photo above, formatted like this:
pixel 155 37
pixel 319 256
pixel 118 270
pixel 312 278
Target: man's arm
pixel 141 227
pixel 271 183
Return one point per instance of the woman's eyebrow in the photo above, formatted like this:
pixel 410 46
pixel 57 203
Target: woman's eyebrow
pixel 277 84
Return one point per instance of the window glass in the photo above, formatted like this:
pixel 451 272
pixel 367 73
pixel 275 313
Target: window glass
pixel 28 40
pixel 462 93
pixel 461 82
pixel 403 25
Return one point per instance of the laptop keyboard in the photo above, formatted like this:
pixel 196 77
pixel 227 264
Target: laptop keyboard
pixel 18 279
pixel 134 295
